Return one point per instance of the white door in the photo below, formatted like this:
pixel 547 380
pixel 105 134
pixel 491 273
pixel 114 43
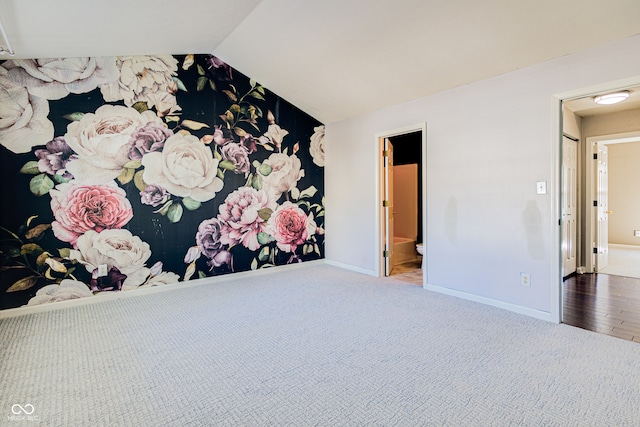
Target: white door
pixel 569 202
pixel 389 206
pixel 602 223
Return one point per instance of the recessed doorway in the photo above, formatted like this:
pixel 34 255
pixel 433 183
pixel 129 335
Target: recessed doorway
pixel 402 204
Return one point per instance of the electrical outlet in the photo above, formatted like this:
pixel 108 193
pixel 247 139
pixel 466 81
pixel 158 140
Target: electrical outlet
pixel 525 279
pixel 102 270
pixel 636 233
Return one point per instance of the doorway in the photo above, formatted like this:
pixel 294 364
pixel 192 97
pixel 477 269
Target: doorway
pixel 586 296
pixel 401 159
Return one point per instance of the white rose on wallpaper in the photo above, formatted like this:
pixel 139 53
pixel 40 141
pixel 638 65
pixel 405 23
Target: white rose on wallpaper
pixel 316 149
pixel 116 248
pixel 185 168
pixel 145 79
pixel 55 78
pixel 285 173
pixel 23 117
pixel 101 140
pixel 67 289
pixel 164 278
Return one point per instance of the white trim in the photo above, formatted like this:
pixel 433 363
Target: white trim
pixel 379 237
pixel 110 296
pixel 556 203
pixel 352 268
pixel 542 315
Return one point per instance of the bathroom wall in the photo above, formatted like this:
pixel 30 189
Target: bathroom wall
pixel 122 173
pixel 624 191
pixel 405 200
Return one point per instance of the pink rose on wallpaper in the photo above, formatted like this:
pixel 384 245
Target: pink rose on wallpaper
pixel 79 208
pixel 290 226
pixel 242 215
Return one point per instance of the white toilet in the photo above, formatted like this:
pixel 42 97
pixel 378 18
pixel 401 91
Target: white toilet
pixel 420 249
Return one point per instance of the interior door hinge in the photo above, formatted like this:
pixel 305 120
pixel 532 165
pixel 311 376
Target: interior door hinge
pixel 595 250
pixel 595 156
pixel 595 203
pixel 385 153
pixel 385 203
pixel 385 254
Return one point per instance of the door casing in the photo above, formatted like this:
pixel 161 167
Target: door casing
pixel 379 182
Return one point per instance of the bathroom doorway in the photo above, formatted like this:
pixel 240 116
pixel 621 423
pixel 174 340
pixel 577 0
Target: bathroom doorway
pixel 403 221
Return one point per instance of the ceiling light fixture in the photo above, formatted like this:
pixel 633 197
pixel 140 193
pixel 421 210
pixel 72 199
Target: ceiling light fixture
pixel 611 98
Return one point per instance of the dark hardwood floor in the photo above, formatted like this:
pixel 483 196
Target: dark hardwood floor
pixel 602 303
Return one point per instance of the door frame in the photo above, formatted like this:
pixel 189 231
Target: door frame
pixel 379 194
pixel 556 184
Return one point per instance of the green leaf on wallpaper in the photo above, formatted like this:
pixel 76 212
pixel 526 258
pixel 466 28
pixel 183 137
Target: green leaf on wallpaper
pixel 295 193
pixel 201 82
pixel 239 131
pixel 316 248
pixel 264 254
pixel 254 264
pixel 201 274
pixel 309 192
pixel 23 284
pixel 265 213
pixel 133 164
pixel 40 184
pixel 307 249
pixel 31 249
pixel 139 181
pixel 229 116
pixel 174 213
pixel 65 252
pixel 59 179
pixel 126 175
pixel 42 258
pixel 257 182
pixel 30 168
pixel 171 119
pixel 235 109
pixel 36 232
pixel 227 164
pixel 193 125
pixel 212 84
pixel 191 269
pixel 201 70
pixel 265 169
pixel 232 96
pixel 260 89
pixel 264 238
pixel 191 204
pixel 180 84
pixel 252 83
pixel 140 106
pixel 217 155
pixel 74 117
pixel 220 174
pixel 257 95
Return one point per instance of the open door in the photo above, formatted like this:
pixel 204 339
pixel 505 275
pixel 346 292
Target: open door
pixel 603 212
pixel 569 205
pixel 388 207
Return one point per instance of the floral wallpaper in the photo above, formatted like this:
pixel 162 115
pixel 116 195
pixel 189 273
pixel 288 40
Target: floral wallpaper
pixel 121 173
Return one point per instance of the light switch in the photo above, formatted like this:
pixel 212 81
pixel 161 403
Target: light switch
pixel 541 187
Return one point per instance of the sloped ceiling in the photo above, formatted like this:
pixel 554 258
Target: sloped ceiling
pixel 334 59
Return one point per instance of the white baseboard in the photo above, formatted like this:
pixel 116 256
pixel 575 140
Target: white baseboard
pixel 542 315
pixel 110 296
pixel 351 267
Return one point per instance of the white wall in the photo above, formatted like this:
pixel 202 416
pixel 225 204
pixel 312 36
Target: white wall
pixel 487 145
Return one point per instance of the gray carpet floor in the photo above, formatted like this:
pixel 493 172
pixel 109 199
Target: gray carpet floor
pixel 315 346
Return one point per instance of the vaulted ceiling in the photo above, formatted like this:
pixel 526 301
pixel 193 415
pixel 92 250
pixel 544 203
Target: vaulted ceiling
pixel 334 59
